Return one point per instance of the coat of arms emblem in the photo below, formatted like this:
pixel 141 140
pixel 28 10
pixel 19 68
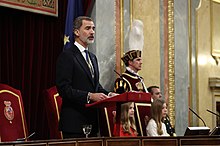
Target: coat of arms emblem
pixel 139 86
pixel 8 111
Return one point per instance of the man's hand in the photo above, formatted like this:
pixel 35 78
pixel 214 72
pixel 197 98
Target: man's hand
pixel 97 96
pixel 111 94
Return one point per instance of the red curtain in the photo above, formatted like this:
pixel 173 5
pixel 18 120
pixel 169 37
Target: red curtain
pixel 29 46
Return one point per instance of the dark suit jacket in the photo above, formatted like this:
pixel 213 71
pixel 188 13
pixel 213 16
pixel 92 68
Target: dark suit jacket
pixel 74 81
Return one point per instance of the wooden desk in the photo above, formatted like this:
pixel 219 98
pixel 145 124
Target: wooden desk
pixel 205 141
pixel 160 141
pixel 62 143
pixel 124 141
pixel 32 144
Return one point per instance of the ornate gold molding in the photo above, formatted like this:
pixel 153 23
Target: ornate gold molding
pixel 218 1
pixel 215 31
pixel 171 70
pixel 118 24
pixel 214 82
pixel 122 32
pixel 190 57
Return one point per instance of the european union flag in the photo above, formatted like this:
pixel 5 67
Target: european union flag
pixel 74 9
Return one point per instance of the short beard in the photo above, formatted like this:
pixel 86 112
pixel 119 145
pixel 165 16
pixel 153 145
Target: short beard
pixel 89 41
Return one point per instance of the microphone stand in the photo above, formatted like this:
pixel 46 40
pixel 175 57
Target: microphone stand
pixel 119 75
pixel 216 130
pixel 25 138
pixel 213 113
pixel 198 116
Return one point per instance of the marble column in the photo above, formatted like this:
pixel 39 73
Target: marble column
pixel 181 43
pixel 104 46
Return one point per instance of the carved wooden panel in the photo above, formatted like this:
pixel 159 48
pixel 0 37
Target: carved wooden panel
pixel 160 142
pixel 123 142
pixel 32 144
pixel 200 141
pixel 64 143
pixel 90 143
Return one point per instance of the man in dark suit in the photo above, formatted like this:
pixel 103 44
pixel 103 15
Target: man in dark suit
pixel 77 81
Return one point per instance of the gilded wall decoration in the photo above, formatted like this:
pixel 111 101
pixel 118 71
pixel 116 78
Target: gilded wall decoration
pixel 215 29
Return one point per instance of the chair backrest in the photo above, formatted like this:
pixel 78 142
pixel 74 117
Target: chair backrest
pixel 12 117
pixel 53 104
pixel 106 121
pixel 143 115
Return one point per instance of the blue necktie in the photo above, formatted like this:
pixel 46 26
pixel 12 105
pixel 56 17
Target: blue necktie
pixel 89 63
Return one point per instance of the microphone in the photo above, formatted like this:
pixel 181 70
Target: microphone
pixel 213 113
pixel 25 138
pixel 119 75
pixel 197 116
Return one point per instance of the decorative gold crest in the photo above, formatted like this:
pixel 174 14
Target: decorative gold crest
pixel 8 111
pixel 139 86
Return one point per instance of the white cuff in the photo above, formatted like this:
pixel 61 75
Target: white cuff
pixel 88 97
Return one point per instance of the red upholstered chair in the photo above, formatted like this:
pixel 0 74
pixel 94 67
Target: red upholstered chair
pixel 53 104
pixel 106 121
pixel 143 115
pixel 12 117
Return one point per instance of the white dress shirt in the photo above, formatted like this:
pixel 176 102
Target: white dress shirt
pixel 81 48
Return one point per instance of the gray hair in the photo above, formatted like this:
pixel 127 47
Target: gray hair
pixel 78 21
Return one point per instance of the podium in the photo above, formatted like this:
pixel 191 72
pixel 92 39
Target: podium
pixel 137 97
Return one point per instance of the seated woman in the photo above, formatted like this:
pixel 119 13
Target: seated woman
pixel 127 126
pixel 155 126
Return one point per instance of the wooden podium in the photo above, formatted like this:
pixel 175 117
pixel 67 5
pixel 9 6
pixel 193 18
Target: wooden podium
pixel 137 97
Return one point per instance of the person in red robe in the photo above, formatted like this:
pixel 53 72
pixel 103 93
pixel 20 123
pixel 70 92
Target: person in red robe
pixel 130 80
